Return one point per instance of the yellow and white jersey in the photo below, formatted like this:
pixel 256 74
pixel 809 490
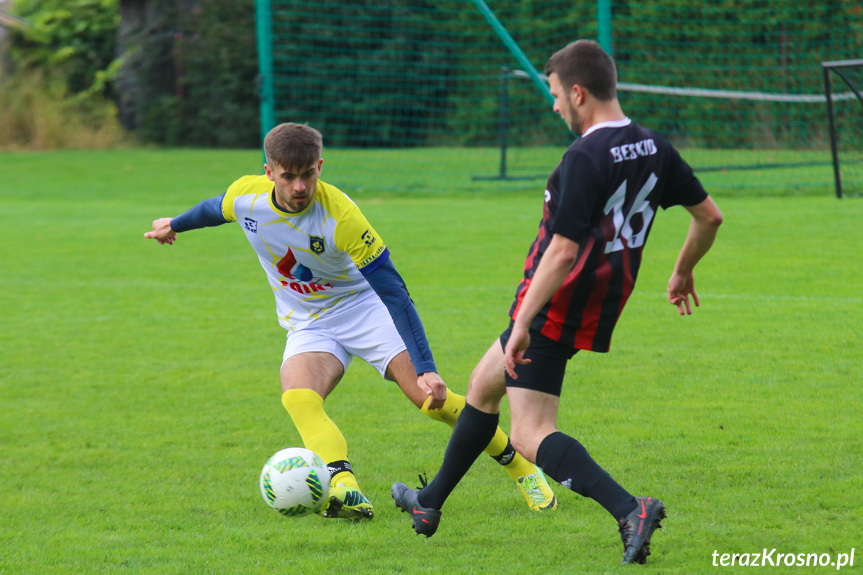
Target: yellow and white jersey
pixel 312 258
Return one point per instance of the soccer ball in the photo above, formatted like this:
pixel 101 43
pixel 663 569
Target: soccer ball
pixel 295 482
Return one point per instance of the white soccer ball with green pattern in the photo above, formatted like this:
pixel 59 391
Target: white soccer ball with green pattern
pixel 295 482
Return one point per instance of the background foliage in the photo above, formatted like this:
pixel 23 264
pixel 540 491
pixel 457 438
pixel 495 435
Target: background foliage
pixel 74 40
pixel 58 92
pixel 767 46
pixel 393 73
pixel 416 73
pixel 428 73
pixel 189 75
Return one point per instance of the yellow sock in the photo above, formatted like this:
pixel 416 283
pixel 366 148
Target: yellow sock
pixel 452 406
pixel 318 431
pixel 517 467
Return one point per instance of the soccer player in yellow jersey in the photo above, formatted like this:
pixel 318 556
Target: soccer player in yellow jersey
pixel 338 295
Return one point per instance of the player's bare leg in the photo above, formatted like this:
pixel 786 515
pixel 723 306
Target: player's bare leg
pixel 533 416
pixel 307 379
pixel 486 388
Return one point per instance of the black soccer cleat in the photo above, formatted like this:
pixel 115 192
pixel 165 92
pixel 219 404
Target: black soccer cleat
pixel 637 527
pixel 425 519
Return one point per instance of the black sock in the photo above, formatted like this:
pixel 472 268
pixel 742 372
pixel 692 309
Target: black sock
pixel 473 431
pixel 566 461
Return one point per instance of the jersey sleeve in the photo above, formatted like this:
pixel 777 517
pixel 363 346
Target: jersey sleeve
pixel 356 237
pixel 579 191
pixel 684 188
pixel 206 214
pixel 391 288
pixel 238 188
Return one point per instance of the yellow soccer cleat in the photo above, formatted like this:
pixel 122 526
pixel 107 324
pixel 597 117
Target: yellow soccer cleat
pixel 537 492
pixel 347 503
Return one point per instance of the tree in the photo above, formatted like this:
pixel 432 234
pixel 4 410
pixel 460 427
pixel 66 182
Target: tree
pixel 69 40
pixel 188 76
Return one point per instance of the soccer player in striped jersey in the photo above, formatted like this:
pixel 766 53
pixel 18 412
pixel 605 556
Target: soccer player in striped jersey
pixel 338 295
pixel 598 210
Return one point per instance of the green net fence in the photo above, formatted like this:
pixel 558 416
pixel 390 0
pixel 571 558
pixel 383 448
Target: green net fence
pixel 741 77
pixel 409 74
pixel 735 84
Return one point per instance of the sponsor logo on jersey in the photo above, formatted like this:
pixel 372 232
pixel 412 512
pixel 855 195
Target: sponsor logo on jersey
pixel 633 151
pixel 316 244
pixel 297 276
pixel 368 238
pixel 291 269
pixel 372 257
pixel 306 288
pixel 251 225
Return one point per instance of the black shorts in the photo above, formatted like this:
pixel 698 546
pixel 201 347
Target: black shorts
pixel 545 372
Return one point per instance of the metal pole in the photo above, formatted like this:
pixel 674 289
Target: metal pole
pixel 264 26
pixel 504 118
pixel 603 24
pixel 514 49
pixel 827 92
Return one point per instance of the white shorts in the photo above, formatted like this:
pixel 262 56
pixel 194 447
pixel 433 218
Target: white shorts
pixel 363 329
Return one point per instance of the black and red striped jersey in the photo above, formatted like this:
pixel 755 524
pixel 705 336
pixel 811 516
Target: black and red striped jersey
pixel 604 195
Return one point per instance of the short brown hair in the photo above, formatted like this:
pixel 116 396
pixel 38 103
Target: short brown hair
pixel 293 145
pixel 585 63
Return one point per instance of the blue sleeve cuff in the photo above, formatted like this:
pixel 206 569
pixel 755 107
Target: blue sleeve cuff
pixel 390 287
pixel 206 214
pixel 379 261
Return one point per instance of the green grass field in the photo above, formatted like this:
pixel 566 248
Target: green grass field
pixel 139 391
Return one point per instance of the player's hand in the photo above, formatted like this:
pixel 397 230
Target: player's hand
pixel 680 287
pixel 434 387
pixel 517 344
pixel 162 232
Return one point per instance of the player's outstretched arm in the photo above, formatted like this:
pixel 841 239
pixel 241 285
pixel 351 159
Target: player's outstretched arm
pixel 206 214
pixel 706 219
pixel 434 387
pixel 390 287
pixel 162 232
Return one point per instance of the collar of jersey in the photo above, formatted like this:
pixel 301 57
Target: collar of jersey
pixel 614 124
pixel 279 210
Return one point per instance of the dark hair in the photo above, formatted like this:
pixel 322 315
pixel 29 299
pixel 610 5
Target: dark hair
pixel 585 63
pixel 293 146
